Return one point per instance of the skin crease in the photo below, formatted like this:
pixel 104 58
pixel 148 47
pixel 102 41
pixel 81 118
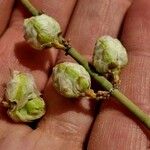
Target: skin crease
pixel 67 123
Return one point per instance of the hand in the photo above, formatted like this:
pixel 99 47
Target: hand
pixel 68 124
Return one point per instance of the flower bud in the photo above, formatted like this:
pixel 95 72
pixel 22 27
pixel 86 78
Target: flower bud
pixel 21 88
pixel 109 56
pixel 32 110
pixel 70 79
pixel 42 31
pixel 20 92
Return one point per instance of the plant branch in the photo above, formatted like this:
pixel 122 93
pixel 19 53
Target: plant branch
pixel 143 117
pixel 30 8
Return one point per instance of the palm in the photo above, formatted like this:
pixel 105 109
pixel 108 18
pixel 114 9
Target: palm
pixel 66 123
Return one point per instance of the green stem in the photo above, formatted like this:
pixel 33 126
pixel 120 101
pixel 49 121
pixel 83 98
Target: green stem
pixel 132 107
pixel 143 117
pixel 30 8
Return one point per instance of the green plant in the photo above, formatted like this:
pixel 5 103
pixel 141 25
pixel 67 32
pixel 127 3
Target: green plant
pixel 107 85
pixel 23 99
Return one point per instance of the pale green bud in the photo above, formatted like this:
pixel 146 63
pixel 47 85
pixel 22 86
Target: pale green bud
pixel 20 92
pixel 33 109
pixel 109 55
pixel 42 31
pixel 70 79
pixel 21 88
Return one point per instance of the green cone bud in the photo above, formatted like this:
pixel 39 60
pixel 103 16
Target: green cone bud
pixel 23 99
pixel 42 31
pixel 32 110
pixel 109 56
pixel 70 79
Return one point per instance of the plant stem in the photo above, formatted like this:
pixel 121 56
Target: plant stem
pixel 132 107
pixel 143 117
pixel 30 8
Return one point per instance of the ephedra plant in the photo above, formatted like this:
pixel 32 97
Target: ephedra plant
pixel 74 80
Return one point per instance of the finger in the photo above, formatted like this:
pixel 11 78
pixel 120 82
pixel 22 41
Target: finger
pixel 5 11
pixel 51 8
pixel 66 120
pixel 115 127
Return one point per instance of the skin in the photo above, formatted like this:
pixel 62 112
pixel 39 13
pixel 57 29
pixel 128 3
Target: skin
pixel 70 124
